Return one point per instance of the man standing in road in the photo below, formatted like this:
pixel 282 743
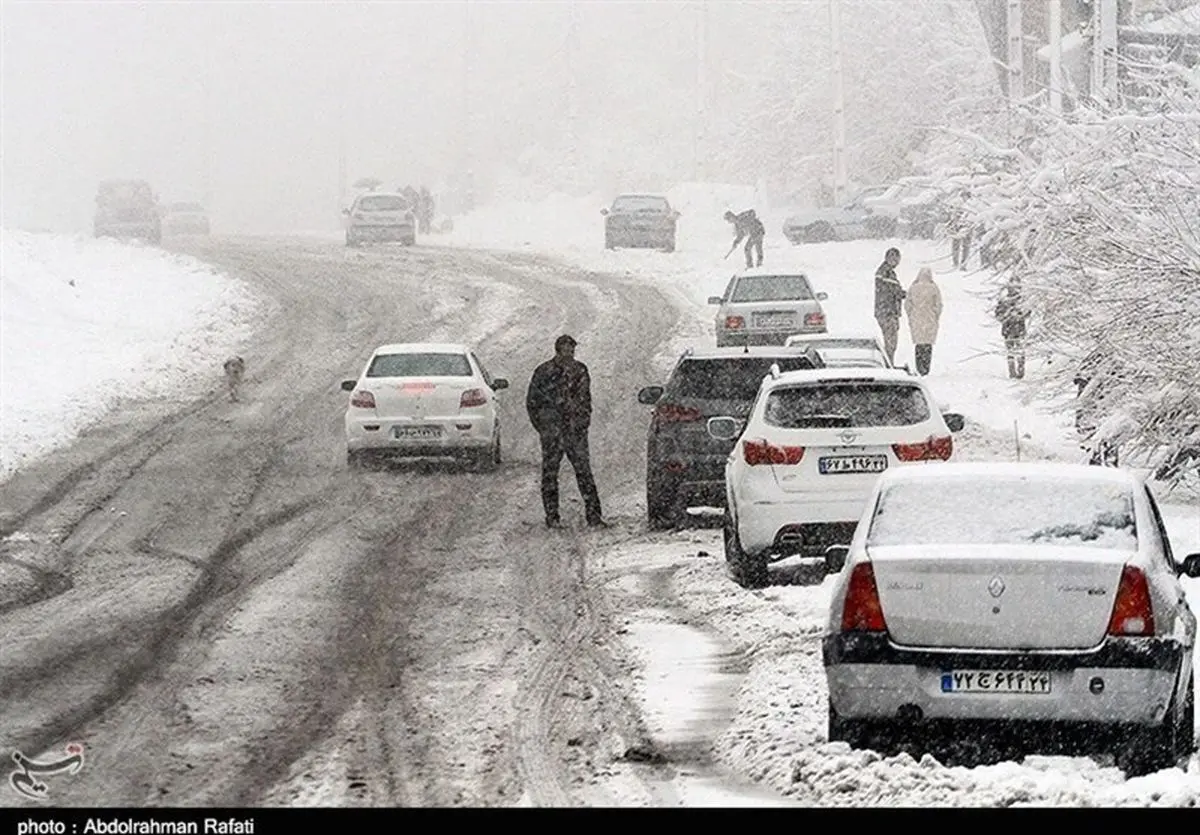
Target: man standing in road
pixel 559 403
pixel 889 297
pixel 749 228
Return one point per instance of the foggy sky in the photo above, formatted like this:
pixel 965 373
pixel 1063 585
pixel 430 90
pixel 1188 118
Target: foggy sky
pixel 253 106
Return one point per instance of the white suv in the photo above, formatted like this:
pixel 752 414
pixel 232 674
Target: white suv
pixel 809 455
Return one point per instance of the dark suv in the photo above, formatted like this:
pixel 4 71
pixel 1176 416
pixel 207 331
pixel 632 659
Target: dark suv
pixel 685 466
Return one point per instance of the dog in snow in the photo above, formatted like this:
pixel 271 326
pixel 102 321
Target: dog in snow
pixel 235 370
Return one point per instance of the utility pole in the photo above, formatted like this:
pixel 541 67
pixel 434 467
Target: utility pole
pixel 698 136
pixel 1016 52
pixel 839 106
pixel 1104 50
pixel 1054 26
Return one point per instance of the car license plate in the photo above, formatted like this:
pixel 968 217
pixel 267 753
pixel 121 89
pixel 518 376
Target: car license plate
pixel 1007 682
pixel 774 320
pixel 417 433
pixel 852 464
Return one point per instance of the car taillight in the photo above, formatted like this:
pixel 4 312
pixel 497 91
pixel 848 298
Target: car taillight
pixel 1132 612
pixel 863 611
pixel 765 452
pixel 472 397
pixel 672 413
pixel 814 319
pixel 932 449
pixel 363 400
pixel 734 323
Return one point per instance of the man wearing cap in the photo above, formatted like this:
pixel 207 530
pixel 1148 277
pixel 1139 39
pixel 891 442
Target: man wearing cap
pixel 559 403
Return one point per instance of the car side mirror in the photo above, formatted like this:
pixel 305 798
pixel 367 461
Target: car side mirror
pixel 954 421
pixel 499 383
pixel 724 428
pixel 715 300
pixel 822 296
pixel 604 211
pixel 835 558
pixel 348 385
pixel 1191 566
pixel 650 395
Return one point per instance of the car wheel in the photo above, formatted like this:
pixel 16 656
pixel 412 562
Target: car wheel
pixel 819 233
pixel 852 731
pixel 669 245
pixel 661 512
pixel 608 242
pixel 748 570
pixel 1150 750
pixel 350 241
pixel 356 459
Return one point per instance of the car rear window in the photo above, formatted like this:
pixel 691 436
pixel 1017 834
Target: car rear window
pixel 383 203
pixel 1020 511
pixel 419 365
pixel 846 404
pixel 767 288
pixel 729 378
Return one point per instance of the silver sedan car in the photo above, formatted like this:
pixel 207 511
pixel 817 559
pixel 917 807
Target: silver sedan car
pixel 761 306
pixel 1042 597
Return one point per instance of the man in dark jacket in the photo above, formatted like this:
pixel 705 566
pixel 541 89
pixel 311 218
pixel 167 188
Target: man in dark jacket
pixel 749 228
pixel 559 403
pixel 889 298
pixel 1012 313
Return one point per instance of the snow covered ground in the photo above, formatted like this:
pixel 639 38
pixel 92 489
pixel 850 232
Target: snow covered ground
pixel 84 323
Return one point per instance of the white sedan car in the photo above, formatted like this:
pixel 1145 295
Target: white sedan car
pixel 1040 597
pixel 808 457
pixel 424 400
pixel 844 350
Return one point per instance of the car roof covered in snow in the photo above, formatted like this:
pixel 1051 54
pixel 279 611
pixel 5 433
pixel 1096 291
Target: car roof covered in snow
pixel 754 351
pixel 423 348
pixel 1040 470
pixel 750 272
pixel 854 336
pixel 819 375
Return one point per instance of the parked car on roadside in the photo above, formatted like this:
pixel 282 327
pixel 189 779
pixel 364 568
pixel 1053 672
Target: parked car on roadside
pixel 1039 599
pixel 127 210
pixel 809 453
pixel 640 220
pixel 380 216
pixel 185 219
pixel 424 400
pixel 762 306
pixel 853 221
pixel 685 465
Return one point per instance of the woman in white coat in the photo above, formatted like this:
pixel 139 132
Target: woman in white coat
pixel 923 305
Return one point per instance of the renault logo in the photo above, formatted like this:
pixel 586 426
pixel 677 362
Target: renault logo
pixel 848 437
pixel 996 587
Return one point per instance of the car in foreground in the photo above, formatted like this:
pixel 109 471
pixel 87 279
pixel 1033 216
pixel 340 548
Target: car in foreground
pixel 640 220
pixel 853 221
pixel 685 465
pixel 380 216
pixel 425 400
pixel 762 306
pixel 808 456
pixel 185 219
pixel 127 210
pixel 1042 598
pixel 844 350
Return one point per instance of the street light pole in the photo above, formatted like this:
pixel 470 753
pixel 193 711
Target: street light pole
pixel 1054 24
pixel 839 106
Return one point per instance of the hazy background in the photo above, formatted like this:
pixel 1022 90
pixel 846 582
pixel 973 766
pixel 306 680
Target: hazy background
pixel 268 111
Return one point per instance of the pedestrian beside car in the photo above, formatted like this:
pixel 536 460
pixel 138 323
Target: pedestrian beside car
pixel 889 298
pixel 749 228
pixel 1013 316
pixel 923 306
pixel 559 403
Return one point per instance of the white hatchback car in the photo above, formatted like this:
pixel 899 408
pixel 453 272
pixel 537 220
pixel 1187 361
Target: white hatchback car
pixel 1040 597
pixel 808 457
pixel 424 400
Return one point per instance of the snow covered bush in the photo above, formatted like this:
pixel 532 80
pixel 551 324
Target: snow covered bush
pixel 1098 216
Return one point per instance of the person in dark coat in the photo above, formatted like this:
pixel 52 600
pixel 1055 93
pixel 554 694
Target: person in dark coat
pixel 1013 316
pixel 559 403
pixel 749 228
pixel 889 300
pixel 424 211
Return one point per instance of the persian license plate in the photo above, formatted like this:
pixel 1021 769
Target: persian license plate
pixel 417 433
pixel 1006 682
pixel 852 464
pixel 774 320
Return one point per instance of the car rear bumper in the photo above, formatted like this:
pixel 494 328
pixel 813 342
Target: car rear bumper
pixel 759 524
pixel 456 434
pixel 1127 681
pixel 640 237
pixel 400 232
